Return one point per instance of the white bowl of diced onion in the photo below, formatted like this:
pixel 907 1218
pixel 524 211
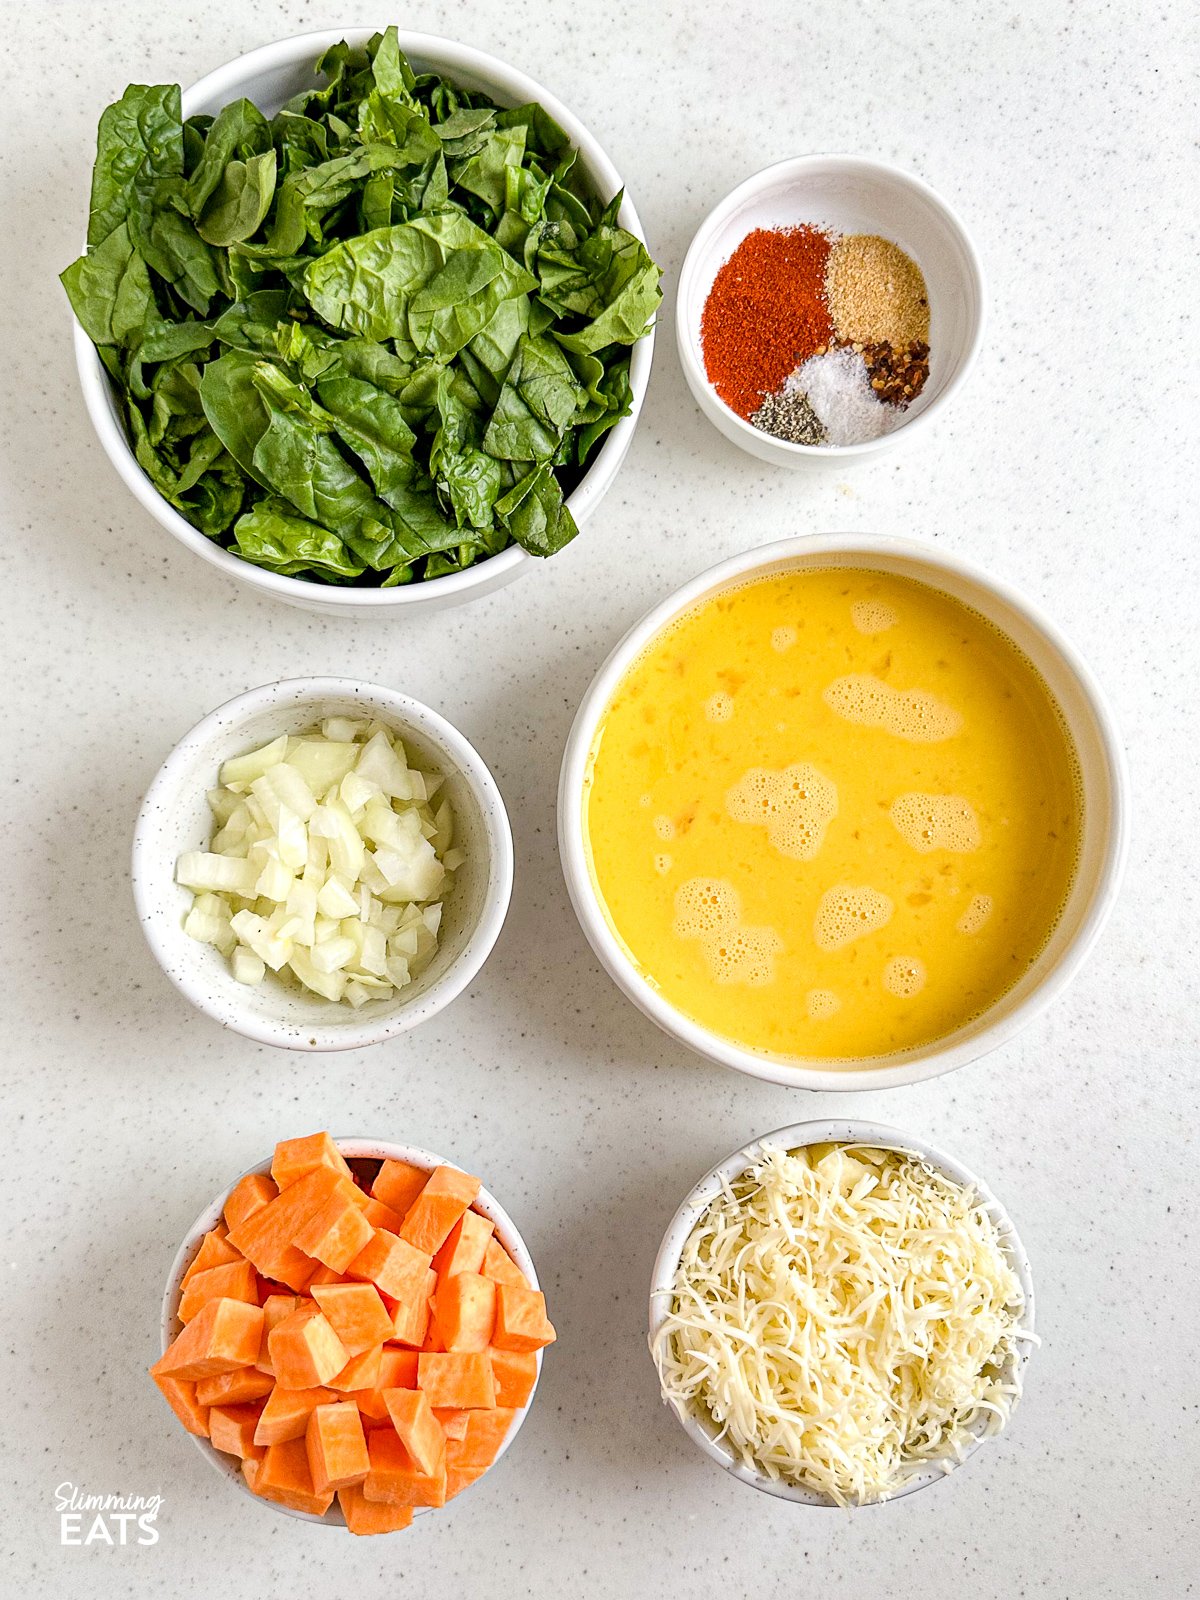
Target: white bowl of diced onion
pixel 321 864
pixel 702 1429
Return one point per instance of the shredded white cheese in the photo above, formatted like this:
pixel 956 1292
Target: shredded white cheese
pixel 841 1317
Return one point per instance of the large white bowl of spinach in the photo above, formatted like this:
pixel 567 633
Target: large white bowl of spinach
pixel 365 320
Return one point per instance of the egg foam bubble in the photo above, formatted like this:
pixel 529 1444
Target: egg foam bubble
pixel 710 910
pixel 976 914
pixel 873 616
pixel 704 906
pixel 822 1003
pixel 904 976
pixel 848 912
pixel 931 822
pixel 795 806
pixel 912 714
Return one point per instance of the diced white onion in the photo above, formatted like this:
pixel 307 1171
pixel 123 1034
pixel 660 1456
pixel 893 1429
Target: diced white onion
pixel 244 769
pixel 326 863
pixel 200 869
pixel 247 967
pixel 343 730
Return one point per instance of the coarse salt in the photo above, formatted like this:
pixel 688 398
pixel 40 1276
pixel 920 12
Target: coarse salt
pixel 839 391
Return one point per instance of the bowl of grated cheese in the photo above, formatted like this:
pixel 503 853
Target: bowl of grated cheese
pixel 841 1314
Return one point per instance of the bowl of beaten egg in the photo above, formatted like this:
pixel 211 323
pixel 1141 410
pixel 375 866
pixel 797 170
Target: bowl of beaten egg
pixel 843 812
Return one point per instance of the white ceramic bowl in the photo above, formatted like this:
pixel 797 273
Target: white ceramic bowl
pixel 374 1149
pixel 175 817
pixel 793 1138
pixel 269 76
pixel 1105 825
pixel 845 194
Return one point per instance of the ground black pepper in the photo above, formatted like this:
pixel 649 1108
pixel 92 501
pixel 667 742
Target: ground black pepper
pixel 788 415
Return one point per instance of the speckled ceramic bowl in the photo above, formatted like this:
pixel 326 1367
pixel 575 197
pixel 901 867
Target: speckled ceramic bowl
pixel 373 1149
pixel 175 817
pixel 794 1138
pixel 268 76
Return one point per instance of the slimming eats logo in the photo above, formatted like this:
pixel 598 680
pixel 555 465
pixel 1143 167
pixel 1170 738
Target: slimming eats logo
pixel 112 1519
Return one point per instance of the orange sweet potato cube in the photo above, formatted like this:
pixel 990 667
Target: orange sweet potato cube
pixel 469 1458
pixel 275 1308
pixel 418 1429
pixel 365 1516
pixel 234 1280
pixel 521 1322
pixel 433 1339
pixel 500 1266
pixel 289 1267
pixel 465 1247
pixel 250 1470
pixel 443 1200
pixel 356 1313
pixel 464 1308
pixel 222 1336
pixel 515 1373
pixel 461 1381
pixel 248 1195
pixel 234 1388
pixel 180 1395
pixel 215 1250
pixel 454 1423
pixel 397 1370
pixel 397 1184
pixel 296 1158
pixel 334 1234
pixel 394 1266
pixel 381 1216
pixel 231 1428
pixel 268 1237
pixel 410 1323
pixel 284 1476
pixel 286 1413
pixel 337 1447
pixel 360 1372
pixel 305 1350
pixel 394 1476
pixel 372 1424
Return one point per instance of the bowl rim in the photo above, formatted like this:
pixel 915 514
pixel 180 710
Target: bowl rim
pixel 744 434
pixel 939 1056
pixel 492 571
pixel 296 693
pixel 836 1130
pixel 485 1202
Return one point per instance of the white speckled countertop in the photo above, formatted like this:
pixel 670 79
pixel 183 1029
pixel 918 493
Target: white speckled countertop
pixel 1067 466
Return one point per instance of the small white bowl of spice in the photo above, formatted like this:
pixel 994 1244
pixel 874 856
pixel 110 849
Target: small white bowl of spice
pixel 828 309
pixel 322 864
pixel 841 1314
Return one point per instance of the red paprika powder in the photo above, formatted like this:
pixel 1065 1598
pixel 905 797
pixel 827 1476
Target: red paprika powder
pixel 765 314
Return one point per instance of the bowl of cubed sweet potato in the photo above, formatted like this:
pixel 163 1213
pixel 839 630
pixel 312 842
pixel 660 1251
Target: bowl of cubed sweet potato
pixel 353 1332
